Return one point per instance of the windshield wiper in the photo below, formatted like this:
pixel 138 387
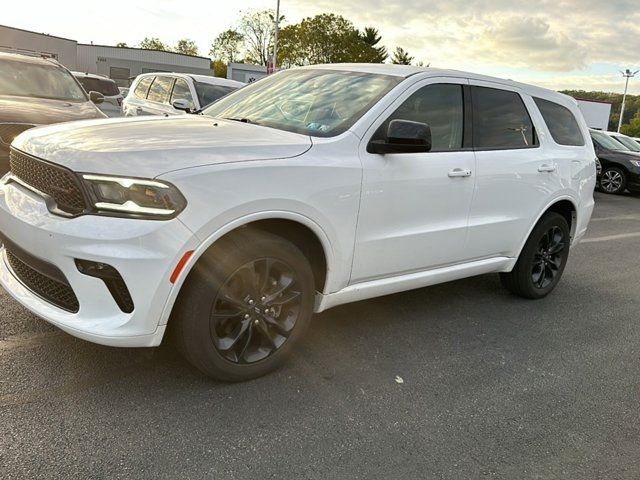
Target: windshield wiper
pixel 243 120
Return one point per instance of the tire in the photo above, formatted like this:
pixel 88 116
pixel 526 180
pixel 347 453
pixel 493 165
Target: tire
pixel 613 181
pixel 244 306
pixel 542 260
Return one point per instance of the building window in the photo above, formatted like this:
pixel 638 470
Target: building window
pixel 120 76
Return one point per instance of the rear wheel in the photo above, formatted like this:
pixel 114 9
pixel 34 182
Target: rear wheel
pixel 613 180
pixel 244 306
pixel 543 259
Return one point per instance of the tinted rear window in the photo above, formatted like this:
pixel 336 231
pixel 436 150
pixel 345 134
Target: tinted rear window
pixel 501 120
pixel 562 124
pixel 106 87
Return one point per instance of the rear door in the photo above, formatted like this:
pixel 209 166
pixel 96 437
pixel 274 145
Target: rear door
pixel 516 176
pixel 158 98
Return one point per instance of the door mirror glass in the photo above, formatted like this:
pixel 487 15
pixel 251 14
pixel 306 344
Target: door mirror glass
pixel 182 104
pixel 96 97
pixel 403 136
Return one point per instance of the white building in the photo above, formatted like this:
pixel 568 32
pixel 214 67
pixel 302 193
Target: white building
pixel 120 64
pixel 117 63
pixel 595 113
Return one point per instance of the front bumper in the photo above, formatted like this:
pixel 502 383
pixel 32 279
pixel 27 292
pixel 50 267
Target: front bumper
pixel 144 252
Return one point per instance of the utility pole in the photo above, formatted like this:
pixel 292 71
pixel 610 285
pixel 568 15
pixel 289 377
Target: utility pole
pixel 627 74
pixel 275 37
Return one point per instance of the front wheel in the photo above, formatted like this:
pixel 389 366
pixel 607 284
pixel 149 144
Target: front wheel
pixel 245 306
pixel 542 261
pixel 613 181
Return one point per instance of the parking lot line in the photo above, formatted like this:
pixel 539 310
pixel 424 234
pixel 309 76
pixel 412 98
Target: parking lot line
pixel 611 237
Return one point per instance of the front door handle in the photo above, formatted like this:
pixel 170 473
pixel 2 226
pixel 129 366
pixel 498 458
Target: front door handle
pixel 459 172
pixel 546 168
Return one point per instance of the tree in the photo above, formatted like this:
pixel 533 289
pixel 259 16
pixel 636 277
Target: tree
pixel 122 45
pixel 219 68
pixel 258 31
pixel 401 57
pixel 325 38
pixel 227 46
pixel 371 37
pixel 154 43
pixel 186 47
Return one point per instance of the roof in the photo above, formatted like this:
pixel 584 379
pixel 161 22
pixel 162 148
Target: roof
pixel 90 75
pixel 409 70
pixel 199 78
pixel 38 33
pixel 142 50
pixel 16 57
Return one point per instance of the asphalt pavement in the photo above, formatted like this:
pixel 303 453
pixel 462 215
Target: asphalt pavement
pixel 492 386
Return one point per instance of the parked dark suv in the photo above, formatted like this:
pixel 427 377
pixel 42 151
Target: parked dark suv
pixel 620 166
pixel 37 91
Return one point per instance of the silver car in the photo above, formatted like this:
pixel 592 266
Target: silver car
pixel 112 105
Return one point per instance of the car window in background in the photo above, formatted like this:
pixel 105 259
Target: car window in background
pixel 208 93
pixel 441 107
pixel 630 143
pixel 39 81
pixel 562 124
pixel 501 120
pixel 607 142
pixel 321 103
pixel 181 91
pixel 160 88
pixel 142 88
pixel 106 87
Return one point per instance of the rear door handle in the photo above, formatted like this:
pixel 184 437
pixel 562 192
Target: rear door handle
pixel 546 168
pixel 459 172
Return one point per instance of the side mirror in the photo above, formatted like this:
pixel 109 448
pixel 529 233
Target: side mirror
pixel 96 97
pixel 403 136
pixel 181 104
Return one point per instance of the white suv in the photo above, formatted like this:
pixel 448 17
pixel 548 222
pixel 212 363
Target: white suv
pixel 174 93
pixel 112 105
pixel 311 188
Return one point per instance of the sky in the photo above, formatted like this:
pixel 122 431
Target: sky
pixel 559 44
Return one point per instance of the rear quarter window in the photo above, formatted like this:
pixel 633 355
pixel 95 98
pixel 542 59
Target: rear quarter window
pixel 142 88
pixel 561 122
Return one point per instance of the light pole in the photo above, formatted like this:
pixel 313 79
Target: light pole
pixel 627 74
pixel 275 37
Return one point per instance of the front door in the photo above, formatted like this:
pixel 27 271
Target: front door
pixel 415 206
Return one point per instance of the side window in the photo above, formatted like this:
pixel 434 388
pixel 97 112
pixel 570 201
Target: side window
pixel 142 88
pixel 181 92
pixel 562 124
pixel 160 89
pixel 441 107
pixel 501 120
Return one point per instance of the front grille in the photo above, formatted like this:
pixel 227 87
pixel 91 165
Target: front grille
pixel 53 291
pixel 55 181
pixel 8 131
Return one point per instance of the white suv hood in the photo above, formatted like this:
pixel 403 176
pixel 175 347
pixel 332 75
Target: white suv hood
pixel 152 146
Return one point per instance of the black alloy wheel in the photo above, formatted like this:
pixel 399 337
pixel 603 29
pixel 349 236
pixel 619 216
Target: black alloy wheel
pixel 255 311
pixel 245 306
pixel 542 260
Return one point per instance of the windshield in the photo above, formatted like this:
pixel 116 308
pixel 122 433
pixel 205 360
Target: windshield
pixel 629 143
pixel 606 141
pixel 321 103
pixel 208 93
pixel 106 87
pixel 24 79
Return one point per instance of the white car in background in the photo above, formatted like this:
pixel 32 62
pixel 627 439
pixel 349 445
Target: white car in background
pixel 175 93
pixel 112 105
pixel 311 188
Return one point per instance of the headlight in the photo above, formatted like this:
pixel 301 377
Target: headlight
pixel 635 162
pixel 133 197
